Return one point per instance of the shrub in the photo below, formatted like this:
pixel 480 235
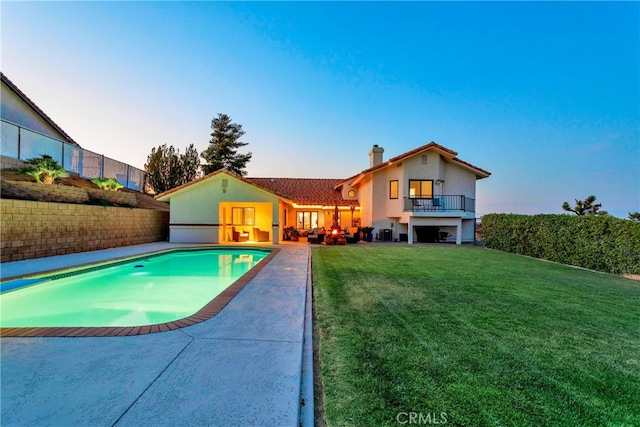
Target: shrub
pixel 109 184
pixel 602 243
pixel 43 169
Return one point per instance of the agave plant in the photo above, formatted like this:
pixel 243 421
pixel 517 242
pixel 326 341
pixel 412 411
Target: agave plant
pixel 43 169
pixel 110 184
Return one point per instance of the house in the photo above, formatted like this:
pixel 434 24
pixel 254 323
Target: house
pixel 27 132
pixel 19 110
pixel 426 194
pixel 211 208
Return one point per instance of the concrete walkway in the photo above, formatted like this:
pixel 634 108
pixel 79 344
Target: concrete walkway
pixel 242 367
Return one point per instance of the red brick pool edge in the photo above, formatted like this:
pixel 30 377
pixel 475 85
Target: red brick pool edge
pixel 212 308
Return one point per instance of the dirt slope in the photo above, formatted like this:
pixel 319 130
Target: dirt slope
pixel 145 201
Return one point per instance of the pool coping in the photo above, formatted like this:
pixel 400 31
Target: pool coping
pixel 208 311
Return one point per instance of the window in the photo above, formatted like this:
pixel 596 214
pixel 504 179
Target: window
pixel 243 216
pixel 307 220
pixel 249 216
pixel 420 189
pixel 393 189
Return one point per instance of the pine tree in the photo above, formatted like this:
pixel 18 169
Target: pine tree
pixel 166 168
pixel 585 207
pixel 190 164
pixel 222 152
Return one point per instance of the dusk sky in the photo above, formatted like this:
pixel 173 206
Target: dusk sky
pixel 544 95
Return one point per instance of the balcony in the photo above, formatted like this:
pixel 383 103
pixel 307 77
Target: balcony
pixel 441 203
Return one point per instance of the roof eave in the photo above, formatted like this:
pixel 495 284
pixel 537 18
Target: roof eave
pixel 37 109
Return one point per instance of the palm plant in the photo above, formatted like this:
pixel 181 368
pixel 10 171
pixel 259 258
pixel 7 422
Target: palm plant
pixel 43 169
pixel 109 184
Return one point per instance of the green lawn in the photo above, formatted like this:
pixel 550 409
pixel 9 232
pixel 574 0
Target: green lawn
pixel 473 337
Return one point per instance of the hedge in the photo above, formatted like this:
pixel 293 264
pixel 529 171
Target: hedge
pixel 602 242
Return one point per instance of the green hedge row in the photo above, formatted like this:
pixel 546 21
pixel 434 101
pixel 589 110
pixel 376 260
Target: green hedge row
pixel 603 243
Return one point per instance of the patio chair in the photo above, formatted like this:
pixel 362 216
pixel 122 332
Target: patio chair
pixel 352 235
pixel 239 236
pixel 316 235
pixel 259 235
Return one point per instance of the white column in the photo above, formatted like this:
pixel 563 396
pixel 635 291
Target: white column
pixel 275 223
pixel 459 232
pixel 410 233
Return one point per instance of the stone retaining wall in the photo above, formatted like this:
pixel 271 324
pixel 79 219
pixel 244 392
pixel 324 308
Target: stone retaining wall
pixel 9 163
pixel 66 194
pixel 39 229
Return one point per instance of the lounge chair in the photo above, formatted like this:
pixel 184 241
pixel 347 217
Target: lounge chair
pixel 352 234
pixel 316 235
pixel 259 235
pixel 239 236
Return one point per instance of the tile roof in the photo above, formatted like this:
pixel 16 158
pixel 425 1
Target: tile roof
pixel 37 109
pixel 305 191
pixel 301 191
pixel 326 191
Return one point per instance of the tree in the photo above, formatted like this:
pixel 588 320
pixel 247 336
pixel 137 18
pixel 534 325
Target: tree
pixel 222 152
pixel 634 216
pixel 43 169
pixel 190 163
pixel 585 207
pixel 166 168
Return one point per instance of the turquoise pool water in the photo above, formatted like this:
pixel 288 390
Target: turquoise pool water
pixel 137 292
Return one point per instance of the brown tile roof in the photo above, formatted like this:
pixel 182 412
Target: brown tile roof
pixel 301 191
pixel 37 109
pixel 305 191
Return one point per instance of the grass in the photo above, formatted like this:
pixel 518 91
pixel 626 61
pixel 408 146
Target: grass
pixel 473 337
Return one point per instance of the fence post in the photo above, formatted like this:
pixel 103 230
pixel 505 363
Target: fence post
pixel 19 141
pixel 128 176
pixel 102 166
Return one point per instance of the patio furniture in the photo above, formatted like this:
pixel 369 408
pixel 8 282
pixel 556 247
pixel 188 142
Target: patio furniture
pixel 239 236
pixel 352 235
pixel 287 233
pixel 336 237
pixel 259 235
pixel 316 235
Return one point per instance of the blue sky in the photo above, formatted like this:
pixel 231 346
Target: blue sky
pixel 544 95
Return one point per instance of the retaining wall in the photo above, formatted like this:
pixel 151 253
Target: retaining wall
pixel 9 163
pixel 39 229
pixel 64 193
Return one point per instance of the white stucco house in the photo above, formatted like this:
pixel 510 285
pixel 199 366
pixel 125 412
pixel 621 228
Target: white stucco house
pixel 426 194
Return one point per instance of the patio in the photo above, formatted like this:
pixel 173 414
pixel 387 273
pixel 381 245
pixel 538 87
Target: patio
pixel 242 367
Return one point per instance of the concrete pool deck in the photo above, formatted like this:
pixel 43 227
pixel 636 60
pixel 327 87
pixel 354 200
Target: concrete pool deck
pixel 242 367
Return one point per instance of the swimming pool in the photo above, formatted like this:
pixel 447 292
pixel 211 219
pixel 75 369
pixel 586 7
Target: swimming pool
pixel 143 294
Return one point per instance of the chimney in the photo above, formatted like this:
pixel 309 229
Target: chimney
pixel 375 156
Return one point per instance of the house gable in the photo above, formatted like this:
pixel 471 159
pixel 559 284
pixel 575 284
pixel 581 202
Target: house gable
pixel 216 182
pixel 429 150
pixel 18 109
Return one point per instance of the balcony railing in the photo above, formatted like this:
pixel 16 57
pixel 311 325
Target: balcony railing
pixel 443 203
